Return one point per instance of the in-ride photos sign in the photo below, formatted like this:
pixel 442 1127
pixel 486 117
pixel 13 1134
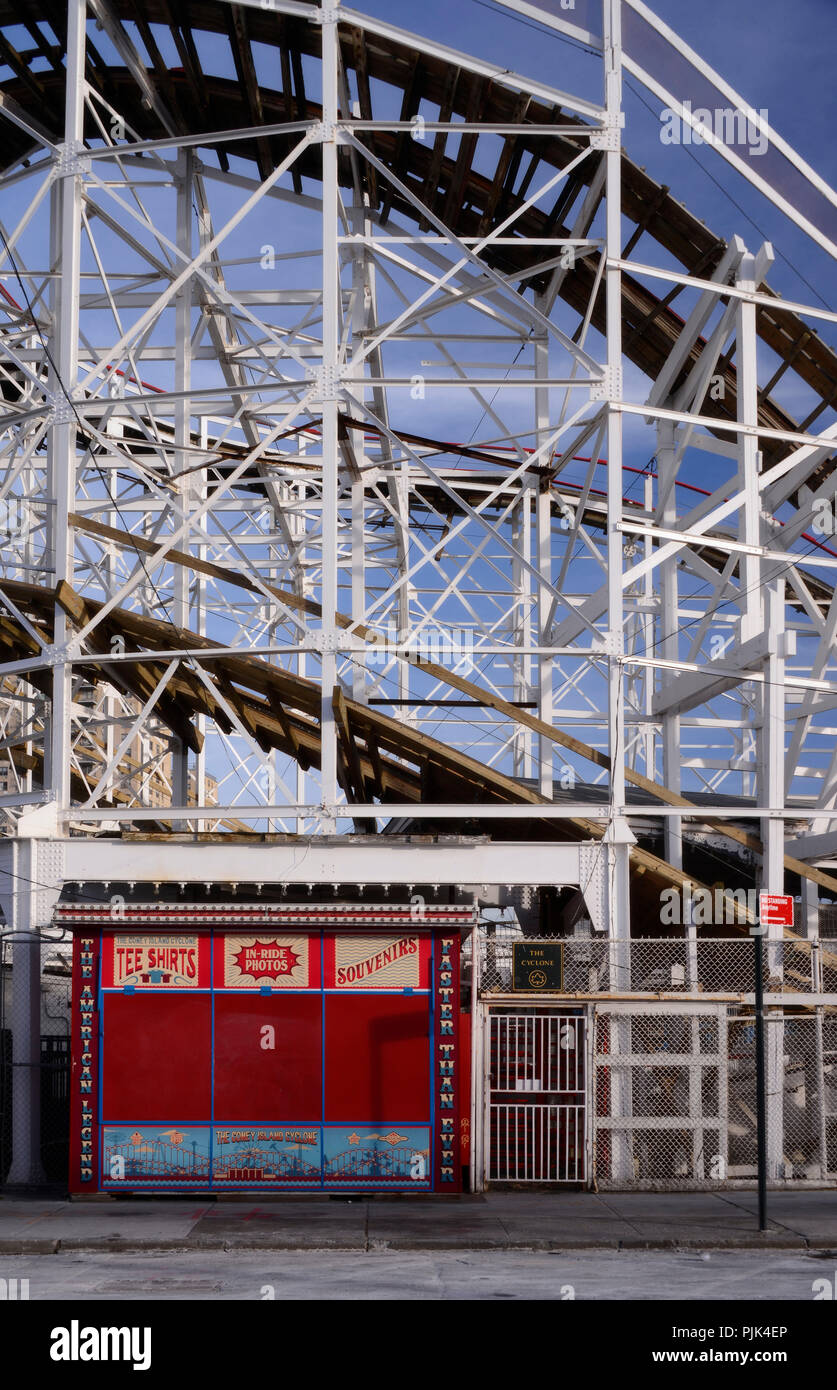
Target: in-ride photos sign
pixel 251 962
pixel 538 968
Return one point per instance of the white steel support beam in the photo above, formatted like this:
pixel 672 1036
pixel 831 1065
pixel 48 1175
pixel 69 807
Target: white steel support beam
pixel 813 847
pixel 182 424
pixel 773 741
pixel 752 610
pixel 320 860
pixel 618 835
pixel 62 443
pixel 693 688
pixel 619 903
pixel 543 538
pixel 329 404
pixel 694 325
pixel 749 458
pixel 669 642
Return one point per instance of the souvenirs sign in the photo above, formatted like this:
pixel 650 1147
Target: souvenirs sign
pixel 377 962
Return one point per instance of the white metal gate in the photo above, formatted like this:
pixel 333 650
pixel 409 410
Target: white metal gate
pixel 536 1098
pixel 660 1082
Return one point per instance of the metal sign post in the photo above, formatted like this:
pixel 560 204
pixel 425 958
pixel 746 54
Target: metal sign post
pixel 775 909
pixel 761 1090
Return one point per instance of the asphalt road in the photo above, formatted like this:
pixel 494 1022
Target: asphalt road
pixel 471 1275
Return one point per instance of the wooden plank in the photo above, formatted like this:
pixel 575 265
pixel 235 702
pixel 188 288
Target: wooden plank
pixel 364 95
pixel 650 212
pixel 430 191
pixel 246 69
pixel 11 56
pixel 480 91
pixel 520 716
pixel 161 71
pixel 410 103
pixel 510 145
pixel 287 89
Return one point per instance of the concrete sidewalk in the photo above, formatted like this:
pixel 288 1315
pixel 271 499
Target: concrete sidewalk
pixel 492 1221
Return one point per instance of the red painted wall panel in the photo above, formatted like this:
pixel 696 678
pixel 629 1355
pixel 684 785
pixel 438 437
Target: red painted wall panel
pixel 156 1058
pixel 377 1058
pixel 253 1083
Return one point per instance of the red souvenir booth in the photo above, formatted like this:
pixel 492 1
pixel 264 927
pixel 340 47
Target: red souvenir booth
pixel 266 1047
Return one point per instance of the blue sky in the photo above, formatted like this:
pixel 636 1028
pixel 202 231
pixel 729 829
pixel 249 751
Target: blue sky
pixel 778 55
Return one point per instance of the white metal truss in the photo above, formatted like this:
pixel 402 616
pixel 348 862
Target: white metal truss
pixel 305 415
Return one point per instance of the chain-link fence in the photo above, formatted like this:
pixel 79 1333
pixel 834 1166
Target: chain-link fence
pixel 827 916
pixel 801 1066
pixel 674 1099
pixel 49 1095
pixel 703 965
pixel 672 1092
pixel 659 1097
